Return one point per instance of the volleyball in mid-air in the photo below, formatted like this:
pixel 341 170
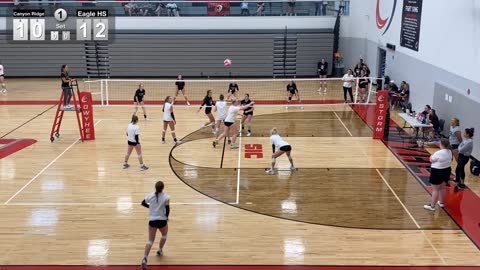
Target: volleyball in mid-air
pixel 227 62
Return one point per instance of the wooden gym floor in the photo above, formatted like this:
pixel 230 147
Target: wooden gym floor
pixel 351 201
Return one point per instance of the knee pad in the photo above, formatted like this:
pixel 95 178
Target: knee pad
pixel 273 160
pixel 139 156
pixel 173 132
pixel 164 131
pixel 150 243
pixel 164 237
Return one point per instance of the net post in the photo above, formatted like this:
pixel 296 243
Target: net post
pixel 356 90
pixel 101 92
pixel 369 91
pixel 106 93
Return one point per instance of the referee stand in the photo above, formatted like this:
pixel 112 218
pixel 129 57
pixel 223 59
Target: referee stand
pixel 82 106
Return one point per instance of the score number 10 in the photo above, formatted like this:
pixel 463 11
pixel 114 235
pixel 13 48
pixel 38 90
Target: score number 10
pixel 85 27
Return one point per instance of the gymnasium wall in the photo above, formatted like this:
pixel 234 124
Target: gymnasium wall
pixel 448 50
pixel 164 47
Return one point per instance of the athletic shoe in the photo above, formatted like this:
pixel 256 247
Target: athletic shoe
pixel 292 168
pixel 4 91
pixel 429 207
pixel 159 253
pixel 143 168
pixel 163 141
pixel 145 116
pixel 233 146
pixel 462 186
pixel 177 142
pixel 325 91
pixel 442 205
pixel 301 108
pixel 188 103
pixel 229 141
pixel 144 264
pixel 270 171
pixel 248 134
pixel 125 165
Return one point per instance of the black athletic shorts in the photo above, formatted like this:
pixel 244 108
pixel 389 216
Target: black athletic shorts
pixel 454 146
pixel 286 148
pixel 228 123
pixel 157 223
pixel 232 91
pixel 248 113
pixel 438 176
pixel 322 73
pixel 208 110
pixel 132 143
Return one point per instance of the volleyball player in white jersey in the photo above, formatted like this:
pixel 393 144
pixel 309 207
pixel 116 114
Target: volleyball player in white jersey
pixel 221 112
pixel 158 204
pixel 168 119
pixel 2 80
pixel 133 134
pixel 281 147
pixel 230 126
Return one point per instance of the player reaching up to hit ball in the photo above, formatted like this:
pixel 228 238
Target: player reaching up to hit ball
pixel 230 125
pixel 180 84
pixel 232 90
pixel 279 147
pixel 138 100
pixel 292 90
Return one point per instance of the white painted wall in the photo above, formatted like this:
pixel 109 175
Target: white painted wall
pixel 449 37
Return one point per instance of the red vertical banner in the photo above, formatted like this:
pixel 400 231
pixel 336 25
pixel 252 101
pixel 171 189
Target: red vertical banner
pixel 380 115
pixel 218 8
pixel 86 104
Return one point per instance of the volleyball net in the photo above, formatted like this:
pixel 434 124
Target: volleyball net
pixel 262 91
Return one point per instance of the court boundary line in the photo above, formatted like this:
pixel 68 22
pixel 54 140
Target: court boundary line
pixel 343 123
pixel 411 216
pixel 237 201
pixel 28 121
pixel 104 203
pixel 45 168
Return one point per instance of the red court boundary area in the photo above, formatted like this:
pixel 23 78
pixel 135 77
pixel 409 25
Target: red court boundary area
pixel 463 207
pixel 10 146
pixel 158 102
pixel 239 267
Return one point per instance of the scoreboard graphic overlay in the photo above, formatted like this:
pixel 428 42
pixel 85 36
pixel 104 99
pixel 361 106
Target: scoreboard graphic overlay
pixel 35 25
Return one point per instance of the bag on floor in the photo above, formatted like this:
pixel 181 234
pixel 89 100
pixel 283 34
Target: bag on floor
pixel 475 167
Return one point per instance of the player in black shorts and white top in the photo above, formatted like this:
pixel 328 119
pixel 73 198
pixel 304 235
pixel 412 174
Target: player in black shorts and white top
pixel 232 90
pixel 138 100
pixel 168 119
pixel 292 90
pixel 322 73
pixel 133 134
pixel 221 112
pixel 2 80
pixel 208 103
pixel 180 84
pixel 281 147
pixel 247 115
pixel 158 204
pixel 230 126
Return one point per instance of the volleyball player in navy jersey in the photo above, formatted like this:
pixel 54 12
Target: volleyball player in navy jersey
pixel 138 100
pixel 180 84
pixel 247 114
pixel 208 103
pixel 292 90
pixel 158 204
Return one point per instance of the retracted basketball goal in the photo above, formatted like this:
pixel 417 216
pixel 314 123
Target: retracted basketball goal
pixel 83 109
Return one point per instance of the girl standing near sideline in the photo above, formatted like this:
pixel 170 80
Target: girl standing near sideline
pixel 439 174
